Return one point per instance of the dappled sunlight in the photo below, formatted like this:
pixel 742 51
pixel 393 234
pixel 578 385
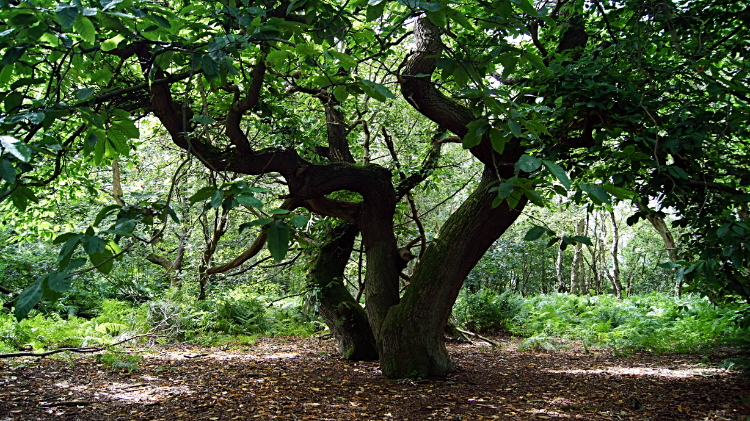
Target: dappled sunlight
pixel 143 390
pixel 671 373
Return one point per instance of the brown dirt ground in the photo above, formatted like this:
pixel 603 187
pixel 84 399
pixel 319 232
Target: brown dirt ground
pixel 303 379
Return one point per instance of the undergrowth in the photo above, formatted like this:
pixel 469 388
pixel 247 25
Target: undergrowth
pixel 237 316
pixel 656 322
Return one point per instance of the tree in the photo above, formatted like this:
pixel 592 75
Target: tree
pixel 635 100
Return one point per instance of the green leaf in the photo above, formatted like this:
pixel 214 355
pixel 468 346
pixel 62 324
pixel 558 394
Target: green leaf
pixel 438 18
pixel 16 148
pixel 112 43
pixel 103 261
pixel 534 197
pixel 344 59
pixel 537 62
pixel 375 11
pixel 164 59
pixel 93 244
pixel 59 282
pixel 528 163
pixel 597 193
pixel 85 29
pixel 118 140
pixel 498 140
pixel 278 211
pixel 527 7
pixel 29 298
pixel 299 221
pixel 209 66
pixel 161 21
pixel 103 214
pixel 559 173
pixel 583 240
pixel 84 93
pixel 249 200
pixel 128 128
pixel 461 20
pixel 66 15
pixel 257 222
pixel 7 171
pixel 504 190
pixel 341 93
pixel 68 248
pixel 534 233
pixel 476 129
pixel 216 198
pixel 306 49
pixel 99 151
pixel 514 127
pixel 618 192
pixel 123 226
pixel 203 120
pixel 278 240
pixel 173 215
pixel 202 194
pixel 376 90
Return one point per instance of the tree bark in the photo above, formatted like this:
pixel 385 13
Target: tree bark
pixel 577 267
pixel 615 259
pixel 559 266
pixel 212 241
pixel 661 227
pixel 346 319
pixel 411 340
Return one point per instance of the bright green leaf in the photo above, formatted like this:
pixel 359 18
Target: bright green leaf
pixel 278 240
pixel 16 148
pixel 534 233
pixel 559 173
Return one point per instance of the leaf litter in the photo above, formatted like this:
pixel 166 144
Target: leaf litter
pixel 304 379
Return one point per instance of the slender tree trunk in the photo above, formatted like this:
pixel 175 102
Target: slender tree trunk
pixel 116 184
pixel 603 266
pixel 615 258
pixel 343 315
pixel 212 241
pixel 669 244
pixel 576 267
pixel 559 266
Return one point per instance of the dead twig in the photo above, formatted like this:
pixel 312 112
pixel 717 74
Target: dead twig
pixel 466 332
pixel 79 350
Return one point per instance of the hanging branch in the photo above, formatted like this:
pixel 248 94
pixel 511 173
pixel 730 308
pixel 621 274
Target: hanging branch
pixel 420 227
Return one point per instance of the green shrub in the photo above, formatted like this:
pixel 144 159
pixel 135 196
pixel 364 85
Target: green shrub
pixel 486 311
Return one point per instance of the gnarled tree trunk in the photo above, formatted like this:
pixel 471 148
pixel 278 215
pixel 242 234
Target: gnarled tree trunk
pixel 411 340
pixel 341 313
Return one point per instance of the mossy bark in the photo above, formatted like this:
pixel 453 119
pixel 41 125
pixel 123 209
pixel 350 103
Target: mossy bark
pixel 411 340
pixel 341 313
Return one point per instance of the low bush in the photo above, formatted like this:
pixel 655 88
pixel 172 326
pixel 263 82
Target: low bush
pixel 486 310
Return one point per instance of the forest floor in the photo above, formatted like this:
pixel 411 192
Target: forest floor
pixel 303 379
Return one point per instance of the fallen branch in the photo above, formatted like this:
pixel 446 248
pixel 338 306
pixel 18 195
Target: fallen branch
pixel 466 332
pixel 80 350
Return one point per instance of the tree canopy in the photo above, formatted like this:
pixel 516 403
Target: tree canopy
pixel 600 101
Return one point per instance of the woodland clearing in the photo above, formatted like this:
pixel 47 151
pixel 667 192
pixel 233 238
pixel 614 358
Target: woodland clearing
pixel 303 378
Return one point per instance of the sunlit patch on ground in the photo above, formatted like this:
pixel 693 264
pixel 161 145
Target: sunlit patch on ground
pixel 680 373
